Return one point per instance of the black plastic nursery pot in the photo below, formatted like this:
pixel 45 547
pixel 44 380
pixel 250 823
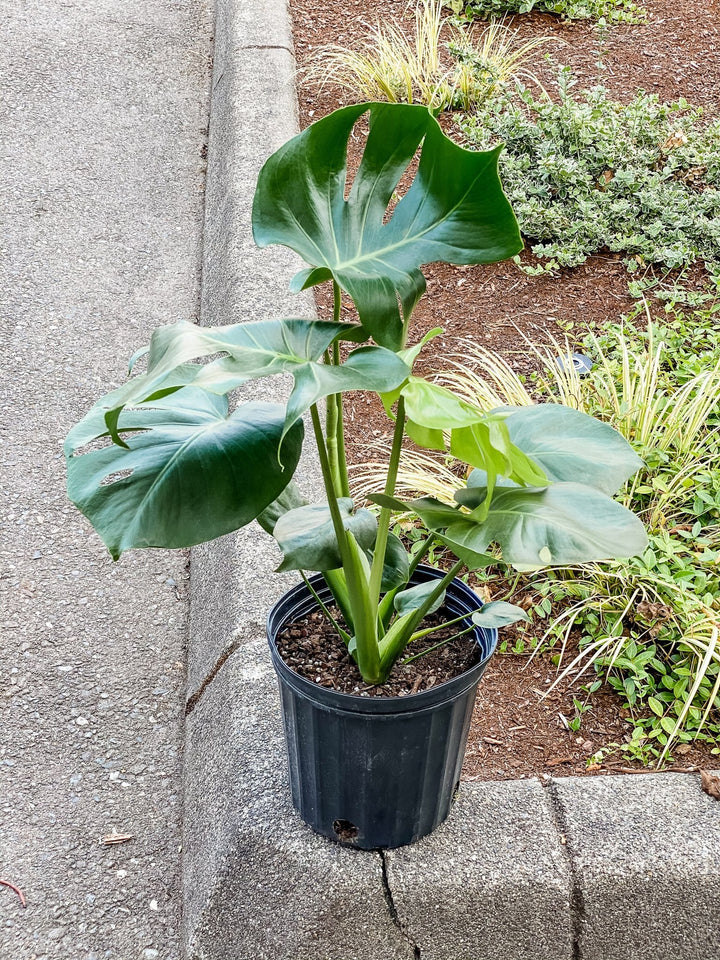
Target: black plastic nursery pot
pixel 374 772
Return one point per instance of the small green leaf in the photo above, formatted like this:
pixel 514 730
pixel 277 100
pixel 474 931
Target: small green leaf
pixel 498 613
pixel 307 538
pixel 656 706
pixel 414 597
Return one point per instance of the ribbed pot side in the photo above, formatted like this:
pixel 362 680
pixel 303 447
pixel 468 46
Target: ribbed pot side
pixel 375 772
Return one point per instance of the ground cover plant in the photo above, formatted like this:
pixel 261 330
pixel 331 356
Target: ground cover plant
pixel 647 626
pixel 611 11
pixel 586 173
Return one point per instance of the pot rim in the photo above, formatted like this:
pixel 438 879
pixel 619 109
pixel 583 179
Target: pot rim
pixel 394 705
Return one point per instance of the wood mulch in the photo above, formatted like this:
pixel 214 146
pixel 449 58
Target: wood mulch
pixel 518 730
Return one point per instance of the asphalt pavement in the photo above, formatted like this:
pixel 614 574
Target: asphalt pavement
pixel 103 120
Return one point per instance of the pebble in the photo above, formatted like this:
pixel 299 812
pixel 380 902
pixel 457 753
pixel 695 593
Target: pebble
pixel 150 954
pixel 81 722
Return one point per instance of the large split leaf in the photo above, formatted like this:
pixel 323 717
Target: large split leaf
pixel 250 351
pixel 254 350
pixel 455 210
pixel 188 472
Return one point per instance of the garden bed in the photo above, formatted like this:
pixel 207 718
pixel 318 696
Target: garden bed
pixel 517 731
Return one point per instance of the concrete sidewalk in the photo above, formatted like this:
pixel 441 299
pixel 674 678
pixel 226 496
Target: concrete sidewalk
pixel 598 869
pixel 105 111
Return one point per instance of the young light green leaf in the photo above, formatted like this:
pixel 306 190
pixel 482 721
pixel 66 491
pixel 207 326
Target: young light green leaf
pixel 414 597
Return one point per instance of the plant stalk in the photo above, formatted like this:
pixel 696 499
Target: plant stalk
pixel 395 640
pixel 385 513
pixel 364 615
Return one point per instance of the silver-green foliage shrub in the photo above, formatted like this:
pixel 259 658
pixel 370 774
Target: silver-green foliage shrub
pixel 612 11
pixel 586 173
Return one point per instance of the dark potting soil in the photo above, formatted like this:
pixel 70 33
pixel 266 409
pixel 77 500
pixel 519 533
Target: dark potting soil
pixel 312 648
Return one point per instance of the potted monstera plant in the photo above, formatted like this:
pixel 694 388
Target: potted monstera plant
pixel 163 462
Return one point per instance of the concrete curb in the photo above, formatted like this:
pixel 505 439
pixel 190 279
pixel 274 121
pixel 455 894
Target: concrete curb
pixel 581 868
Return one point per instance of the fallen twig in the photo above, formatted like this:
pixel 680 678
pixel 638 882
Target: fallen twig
pixel 18 891
pixel 115 838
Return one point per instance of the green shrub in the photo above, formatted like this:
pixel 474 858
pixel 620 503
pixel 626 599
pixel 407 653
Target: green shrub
pixel 612 11
pixel 587 173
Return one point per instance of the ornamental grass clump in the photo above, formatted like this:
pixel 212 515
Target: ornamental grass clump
pixel 163 462
pixel 459 72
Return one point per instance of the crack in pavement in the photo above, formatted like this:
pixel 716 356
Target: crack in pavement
pixel 193 700
pixel 392 909
pixel 577 900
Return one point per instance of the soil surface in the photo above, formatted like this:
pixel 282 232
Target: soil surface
pixel 314 650
pixel 518 730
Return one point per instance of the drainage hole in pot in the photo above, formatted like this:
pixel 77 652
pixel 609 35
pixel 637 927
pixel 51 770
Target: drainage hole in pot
pixel 344 830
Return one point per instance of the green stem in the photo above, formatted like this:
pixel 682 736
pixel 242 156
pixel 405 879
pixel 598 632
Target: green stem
pixel 418 553
pixel 396 640
pixel 385 513
pixel 422 551
pixel 364 615
pixel 419 634
pixel 343 478
pixel 331 420
pixel 344 636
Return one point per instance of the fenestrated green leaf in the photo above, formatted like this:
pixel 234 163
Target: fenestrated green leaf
pixel 498 613
pixel 367 368
pixel 414 597
pixel 560 524
pixel 307 538
pixel 252 350
pixel 455 210
pixel 189 471
pixel 570 445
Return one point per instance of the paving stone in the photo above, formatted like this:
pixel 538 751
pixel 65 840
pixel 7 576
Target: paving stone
pixel 259 883
pixel 491 883
pixel 646 854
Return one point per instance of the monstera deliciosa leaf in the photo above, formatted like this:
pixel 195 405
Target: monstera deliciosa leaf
pixel 187 471
pixel 454 211
pixel 568 445
pixel 252 351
